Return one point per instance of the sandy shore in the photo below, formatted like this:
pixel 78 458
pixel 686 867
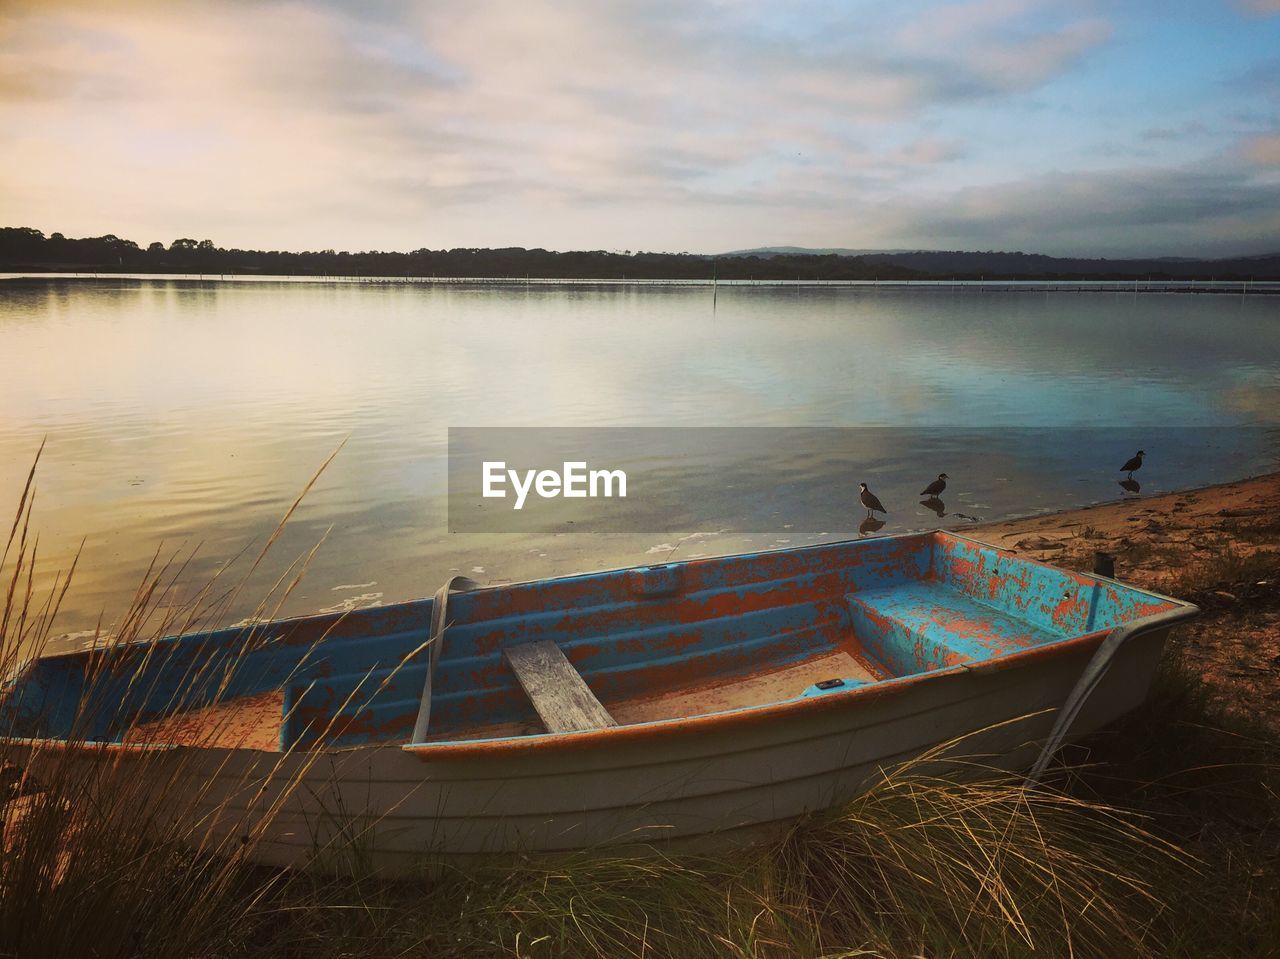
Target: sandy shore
pixel 1218 546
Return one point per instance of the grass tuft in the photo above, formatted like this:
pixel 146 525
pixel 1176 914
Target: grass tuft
pixel 1228 566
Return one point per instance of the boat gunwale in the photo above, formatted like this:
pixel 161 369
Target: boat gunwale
pixel 315 618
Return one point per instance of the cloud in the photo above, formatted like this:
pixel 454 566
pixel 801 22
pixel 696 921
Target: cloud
pixel 1192 129
pixel 285 113
pixel 1217 207
pixel 1263 151
pixel 928 151
pixel 983 47
pixel 676 125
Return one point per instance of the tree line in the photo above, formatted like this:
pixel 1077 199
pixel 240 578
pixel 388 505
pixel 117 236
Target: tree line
pixel 28 250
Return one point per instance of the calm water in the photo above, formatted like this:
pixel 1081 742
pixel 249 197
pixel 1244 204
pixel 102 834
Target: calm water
pixel 188 415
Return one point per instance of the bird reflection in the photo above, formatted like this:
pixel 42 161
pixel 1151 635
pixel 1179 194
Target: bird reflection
pixel 870 525
pixel 935 504
pixel 1131 485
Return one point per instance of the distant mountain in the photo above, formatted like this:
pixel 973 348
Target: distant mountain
pixel 807 251
pixel 1002 265
pixel 965 264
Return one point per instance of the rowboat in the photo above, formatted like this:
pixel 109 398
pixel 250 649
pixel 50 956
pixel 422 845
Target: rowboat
pixel 691 701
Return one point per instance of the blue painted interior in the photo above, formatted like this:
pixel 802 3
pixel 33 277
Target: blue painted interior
pixel 931 625
pixel 906 604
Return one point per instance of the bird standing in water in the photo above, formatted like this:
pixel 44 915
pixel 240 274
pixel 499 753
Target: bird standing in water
pixel 869 500
pixel 937 486
pixel 1134 464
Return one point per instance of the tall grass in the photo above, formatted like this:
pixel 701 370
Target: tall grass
pixel 109 853
pixel 1209 780
pixel 110 850
pixel 940 857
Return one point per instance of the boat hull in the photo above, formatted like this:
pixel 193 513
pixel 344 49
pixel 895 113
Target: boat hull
pixel 401 810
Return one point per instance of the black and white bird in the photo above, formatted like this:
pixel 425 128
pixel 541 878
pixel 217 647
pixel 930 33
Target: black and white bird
pixel 869 500
pixel 1133 464
pixel 937 486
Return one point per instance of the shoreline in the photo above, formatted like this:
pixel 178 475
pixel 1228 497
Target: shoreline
pixel 1128 287
pixel 1217 546
pixel 1106 525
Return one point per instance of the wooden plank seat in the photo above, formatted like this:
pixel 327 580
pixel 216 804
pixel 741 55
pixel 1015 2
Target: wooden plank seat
pixel 560 696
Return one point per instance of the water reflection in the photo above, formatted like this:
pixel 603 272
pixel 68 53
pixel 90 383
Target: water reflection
pixel 1131 486
pixel 935 504
pixel 870 525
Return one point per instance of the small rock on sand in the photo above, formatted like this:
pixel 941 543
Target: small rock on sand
pixel 1036 542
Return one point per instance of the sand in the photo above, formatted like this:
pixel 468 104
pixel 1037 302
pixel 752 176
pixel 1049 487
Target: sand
pixel 1218 546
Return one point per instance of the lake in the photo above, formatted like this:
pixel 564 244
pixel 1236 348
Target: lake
pixel 186 416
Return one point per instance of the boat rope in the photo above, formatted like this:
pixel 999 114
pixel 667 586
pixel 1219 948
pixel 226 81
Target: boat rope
pixel 1092 676
pixel 435 642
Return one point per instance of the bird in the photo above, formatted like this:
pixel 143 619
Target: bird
pixel 869 500
pixel 937 486
pixel 1134 464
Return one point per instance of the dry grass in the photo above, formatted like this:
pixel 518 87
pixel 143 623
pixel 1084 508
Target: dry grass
pixel 1228 566
pixel 1208 780
pixel 110 852
pixel 939 857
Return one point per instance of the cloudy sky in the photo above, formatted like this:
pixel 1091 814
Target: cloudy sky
pixel 1059 126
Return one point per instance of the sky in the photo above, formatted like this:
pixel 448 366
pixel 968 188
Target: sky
pixel 1068 127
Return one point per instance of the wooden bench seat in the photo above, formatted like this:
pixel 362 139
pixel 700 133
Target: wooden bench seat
pixel 560 696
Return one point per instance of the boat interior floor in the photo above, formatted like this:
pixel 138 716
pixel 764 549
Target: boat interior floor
pixel 722 694
pixel 254 721
pixel 247 722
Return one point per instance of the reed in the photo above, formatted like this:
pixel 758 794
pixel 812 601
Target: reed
pixel 109 850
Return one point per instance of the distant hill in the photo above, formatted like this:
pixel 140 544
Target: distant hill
pixel 807 251
pixel 23 249
pixel 1005 265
